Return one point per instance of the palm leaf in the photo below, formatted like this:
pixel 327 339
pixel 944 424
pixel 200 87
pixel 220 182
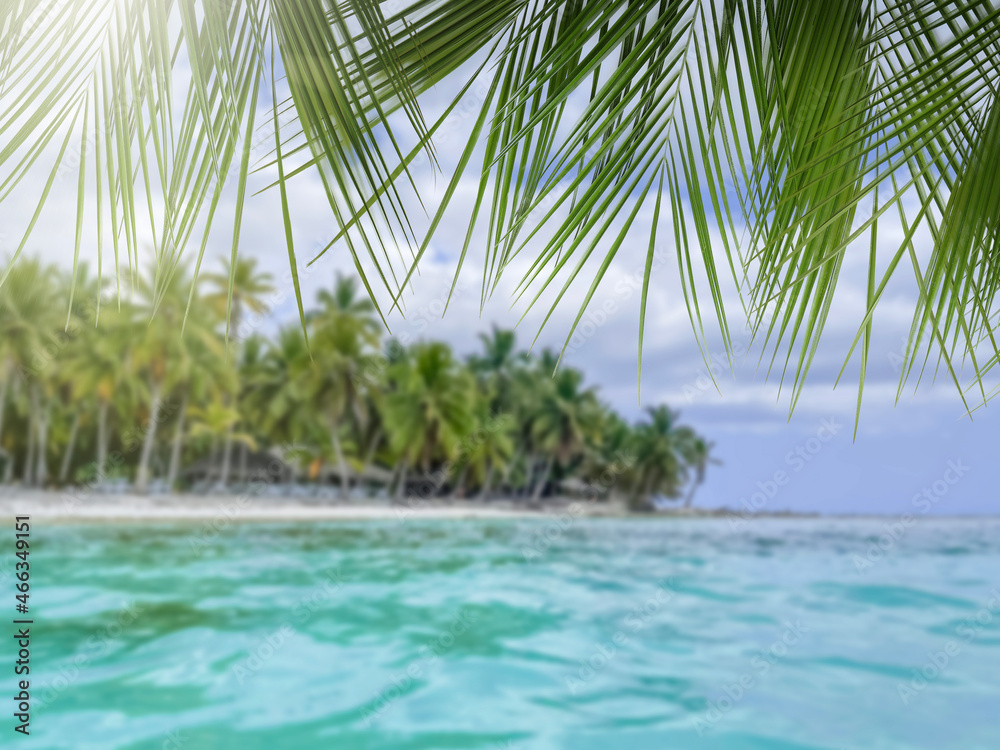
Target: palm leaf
pixel 783 132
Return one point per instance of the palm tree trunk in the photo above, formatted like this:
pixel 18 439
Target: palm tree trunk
pixel 213 455
pixel 28 477
pixel 102 440
pixel 460 486
pixel 401 485
pixel 142 473
pixel 178 444
pixel 3 403
pixel 243 463
pixel 42 472
pixel 338 451
pixel 509 468
pixel 644 493
pixel 484 491
pixel 8 472
pixel 540 483
pixel 3 398
pixel 70 447
pixel 29 458
pixel 690 496
pixel 694 486
pixel 227 452
pixel 633 495
pixel 370 454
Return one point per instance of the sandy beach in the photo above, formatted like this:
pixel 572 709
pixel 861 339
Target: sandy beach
pixel 76 507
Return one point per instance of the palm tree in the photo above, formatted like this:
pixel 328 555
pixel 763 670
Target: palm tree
pixel 72 402
pixel 567 420
pixel 75 404
pixel 204 375
pixel 428 410
pixel 28 323
pixel 102 368
pixel 344 340
pixel 344 299
pixel 277 388
pixel 217 420
pixel 370 432
pixel 6 376
pixel 497 367
pixel 698 455
pixel 240 288
pixel 163 352
pixel 610 468
pixel 662 449
pixel 251 361
pixel 487 449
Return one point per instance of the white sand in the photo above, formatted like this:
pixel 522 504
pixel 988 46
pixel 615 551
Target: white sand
pixel 79 506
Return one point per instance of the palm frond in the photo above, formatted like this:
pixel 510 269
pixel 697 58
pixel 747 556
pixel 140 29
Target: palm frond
pixel 768 139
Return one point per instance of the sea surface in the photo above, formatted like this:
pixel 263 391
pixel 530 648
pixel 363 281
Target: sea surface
pixel 788 634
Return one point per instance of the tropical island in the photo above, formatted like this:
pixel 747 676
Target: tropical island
pixel 169 385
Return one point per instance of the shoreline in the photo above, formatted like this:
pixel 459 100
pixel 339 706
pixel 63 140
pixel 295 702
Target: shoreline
pixel 64 508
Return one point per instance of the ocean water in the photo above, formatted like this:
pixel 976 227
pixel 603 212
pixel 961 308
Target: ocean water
pixel 563 633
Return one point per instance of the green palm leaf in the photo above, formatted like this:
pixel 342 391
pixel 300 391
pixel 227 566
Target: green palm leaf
pixel 767 137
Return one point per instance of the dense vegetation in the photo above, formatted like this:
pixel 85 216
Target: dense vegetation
pixel 141 386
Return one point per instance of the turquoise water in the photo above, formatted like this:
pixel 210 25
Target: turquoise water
pixel 778 635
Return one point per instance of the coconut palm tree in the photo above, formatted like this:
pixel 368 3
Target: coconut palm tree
pixel 662 448
pixel 203 376
pixel 610 468
pixel 344 299
pixel 239 289
pixel 29 320
pixel 698 455
pixel 497 366
pixel 6 376
pixel 102 368
pixel 217 420
pixel 566 423
pixel 344 343
pixel 370 432
pixel 252 356
pixel 428 410
pixel 73 403
pixel 277 388
pixel 487 449
pixel 170 328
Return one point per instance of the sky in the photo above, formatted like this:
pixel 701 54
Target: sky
pixel 922 456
